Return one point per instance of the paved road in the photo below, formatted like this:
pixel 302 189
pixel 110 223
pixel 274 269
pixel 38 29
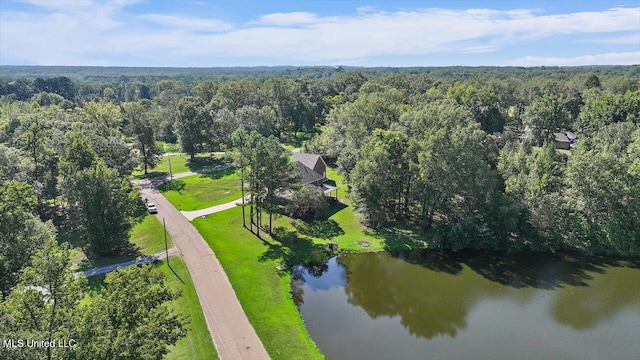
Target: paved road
pixel 139 261
pixel 232 334
pixel 190 215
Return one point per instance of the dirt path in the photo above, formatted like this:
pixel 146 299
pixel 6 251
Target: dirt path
pixel 232 334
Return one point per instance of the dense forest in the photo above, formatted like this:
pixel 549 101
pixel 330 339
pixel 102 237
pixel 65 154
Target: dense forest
pixel 467 157
pixel 464 157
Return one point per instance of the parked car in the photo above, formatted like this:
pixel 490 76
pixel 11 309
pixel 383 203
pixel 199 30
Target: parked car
pixel 152 208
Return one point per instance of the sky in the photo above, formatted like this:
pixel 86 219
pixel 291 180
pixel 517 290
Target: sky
pixel 199 33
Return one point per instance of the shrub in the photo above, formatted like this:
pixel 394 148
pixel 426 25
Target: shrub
pixel 308 203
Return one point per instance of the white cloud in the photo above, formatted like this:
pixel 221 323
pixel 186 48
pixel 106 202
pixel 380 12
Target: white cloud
pixel 97 32
pixel 625 58
pixel 188 23
pixel 287 19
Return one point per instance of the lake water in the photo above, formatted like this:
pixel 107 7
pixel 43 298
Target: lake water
pixel 440 305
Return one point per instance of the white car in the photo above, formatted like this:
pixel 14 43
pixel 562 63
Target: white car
pixel 152 208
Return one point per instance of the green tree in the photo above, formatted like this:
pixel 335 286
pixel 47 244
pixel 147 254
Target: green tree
pixel 12 164
pixel 78 154
pixel 104 117
pixel 21 233
pixel 278 176
pixel 534 177
pixel 382 179
pixel 606 109
pixel 545 116
pixel 603 190
pixel 308 203
pixel 167 95
pixel 592 81
pixel 483 105
pixel 129 318
pixel 43 305
pixel 193 126
pixel 143 122
pixel 103 204
pixel 266 170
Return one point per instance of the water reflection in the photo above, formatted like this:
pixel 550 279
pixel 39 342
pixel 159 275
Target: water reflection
pixel 465 296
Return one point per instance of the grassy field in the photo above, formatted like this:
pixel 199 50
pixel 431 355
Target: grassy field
pixel 147 237
pixel 179 164
pixel 197 344
pixel 204 190
pixel 263 291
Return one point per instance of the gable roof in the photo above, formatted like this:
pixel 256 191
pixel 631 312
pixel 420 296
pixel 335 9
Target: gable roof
pixel 308 160
pixel 309 166
pixel 560 137
pixel 309 176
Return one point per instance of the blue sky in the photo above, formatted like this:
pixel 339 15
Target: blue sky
pixel 202 33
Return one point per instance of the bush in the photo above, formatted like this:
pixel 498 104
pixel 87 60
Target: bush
pixel 307 203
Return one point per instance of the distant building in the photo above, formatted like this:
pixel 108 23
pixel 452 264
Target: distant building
pixel 564 139
pixel 561 141
pixel 313 171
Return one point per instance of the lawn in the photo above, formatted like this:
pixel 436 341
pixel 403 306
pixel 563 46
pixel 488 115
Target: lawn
pixel 197 344
pixel 147 238
pixel 204 190
pixel 170 148
pixel 179 164
pixel 263 291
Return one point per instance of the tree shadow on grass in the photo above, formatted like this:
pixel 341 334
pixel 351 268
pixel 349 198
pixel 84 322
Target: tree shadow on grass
pixel 150 175
pixel 199 163
pixel 293 250
pixel 334 208
pixel 397 239
pixel 321 229
pixel 218 174
pixel 175 185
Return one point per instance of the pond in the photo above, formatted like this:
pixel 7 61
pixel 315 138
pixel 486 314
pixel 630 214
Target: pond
pixel 471 305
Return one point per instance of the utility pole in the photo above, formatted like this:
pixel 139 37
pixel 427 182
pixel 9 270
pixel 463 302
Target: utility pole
pixel 166 246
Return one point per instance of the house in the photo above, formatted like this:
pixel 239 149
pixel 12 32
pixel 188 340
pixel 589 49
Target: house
pixel 313 171
pixel 564 139
pixel 561 141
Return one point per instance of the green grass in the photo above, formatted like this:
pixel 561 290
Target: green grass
pixel 204 190
pixel 147 238
pixel 171 148
pixel 197 344
pixel 179 164
pixel 296 140
pixel 263 291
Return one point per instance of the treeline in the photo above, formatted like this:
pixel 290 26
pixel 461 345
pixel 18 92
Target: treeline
pixel 135 83
pixel 474 165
